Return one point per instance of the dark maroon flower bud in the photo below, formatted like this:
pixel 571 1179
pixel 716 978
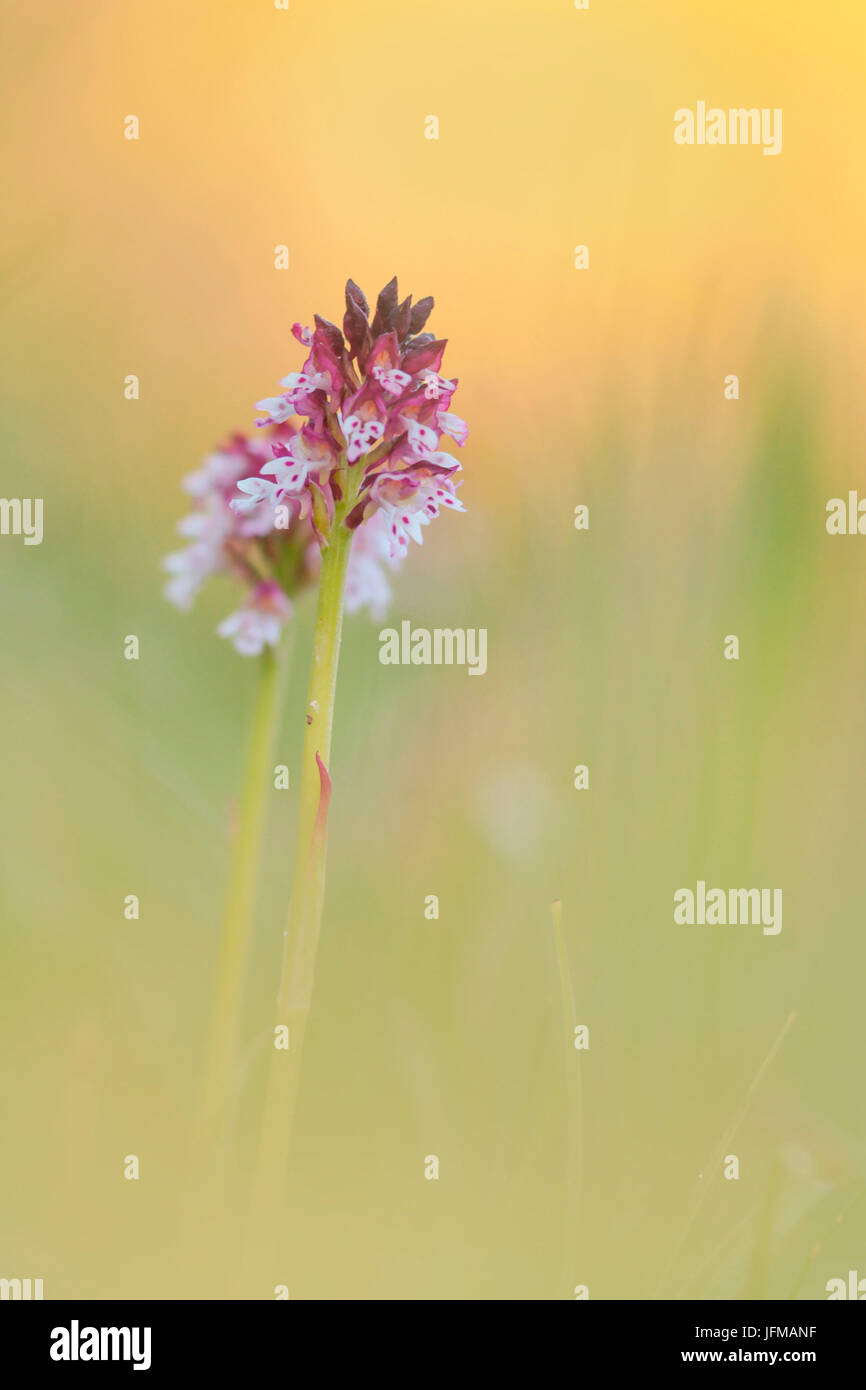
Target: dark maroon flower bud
pixel 419 340
pixel 355 327
pixel 429 356
pixel 333 336
pixel 356 295
pixel 402 318
pixel 386 308
pixel 420 314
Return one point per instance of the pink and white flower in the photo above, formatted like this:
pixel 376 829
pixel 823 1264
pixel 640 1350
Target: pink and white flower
pixel 374 400
pixel 259 623
pixel 188 570
pixel 256 492
pixel 366 581
pixel 360 435
pixel 257 527
pixel 370 398
pixel 407 504
pixel 453 425
pixel 393 382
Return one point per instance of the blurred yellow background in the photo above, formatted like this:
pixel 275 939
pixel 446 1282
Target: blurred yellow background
pixel 601 386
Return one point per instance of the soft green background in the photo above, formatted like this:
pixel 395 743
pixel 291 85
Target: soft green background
pixel 605 648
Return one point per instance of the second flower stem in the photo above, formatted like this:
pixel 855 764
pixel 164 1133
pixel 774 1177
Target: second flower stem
pixel 243 874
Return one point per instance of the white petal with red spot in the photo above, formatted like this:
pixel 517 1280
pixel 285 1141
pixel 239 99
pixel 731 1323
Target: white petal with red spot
pixel 361 435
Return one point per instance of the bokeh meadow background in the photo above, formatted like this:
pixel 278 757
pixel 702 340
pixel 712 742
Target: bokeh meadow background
pixel 601 386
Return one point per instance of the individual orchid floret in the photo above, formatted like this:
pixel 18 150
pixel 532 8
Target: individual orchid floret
pixel 436 387
pixel 361 433
pixel 188 570
pixel 255 493
pixel 366 581
pixel 453 426
pixel 406 504
pixel 259 623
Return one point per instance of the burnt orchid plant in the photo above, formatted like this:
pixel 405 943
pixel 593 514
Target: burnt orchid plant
pixel 346 471
pixel 273 554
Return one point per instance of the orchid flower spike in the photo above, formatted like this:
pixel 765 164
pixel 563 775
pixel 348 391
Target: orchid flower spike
pixel 372 408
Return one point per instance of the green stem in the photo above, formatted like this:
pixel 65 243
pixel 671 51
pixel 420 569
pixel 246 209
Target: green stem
pixel 239 911
pixel 308 889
